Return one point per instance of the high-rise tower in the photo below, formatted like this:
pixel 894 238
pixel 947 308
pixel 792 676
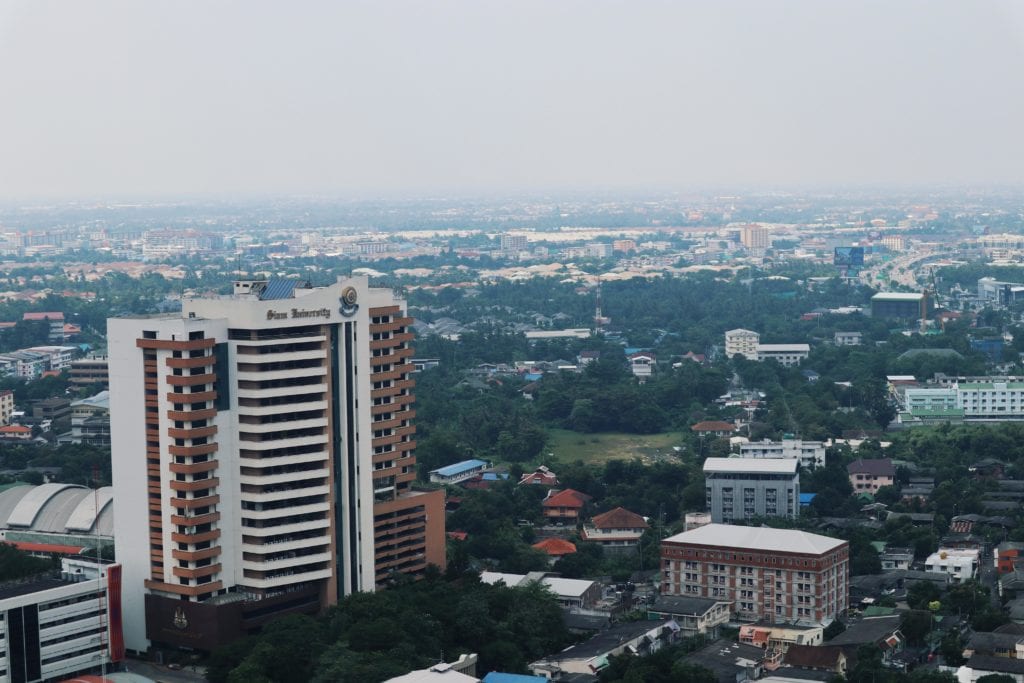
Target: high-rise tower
pixel 264 457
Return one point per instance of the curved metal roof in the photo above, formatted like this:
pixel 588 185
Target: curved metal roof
pixel 58 509
pixel 84 516
pixel 28 508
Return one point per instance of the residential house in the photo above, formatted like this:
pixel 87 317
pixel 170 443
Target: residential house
pixel 979 666
pixel 869 475
pixel 881 631
pixel 15 433
pixel 732 662
pixel 592 656
pixel 848 338
pixel 618 528
pixel 713 428
pixel 896 558
pixel 780 637
pixel 564 506
pixel 555 548
pixel 542 476
pixel 825 658
pixel 995 644
pixel 695 616
pixel 1007 554
pixel 641 364
pixel 961 565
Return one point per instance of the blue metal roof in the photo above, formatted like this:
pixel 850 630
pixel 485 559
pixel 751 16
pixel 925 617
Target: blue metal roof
pixel 496 677
pixel 459 468
pixel 806 498
pixel 278 288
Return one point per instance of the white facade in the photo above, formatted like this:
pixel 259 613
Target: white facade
pixel 52 629
pixel 848 338
pixel 990 399
pixel 809 453
pixel 743 342
pixel 241 459
pixel 961 565
pixel 785 354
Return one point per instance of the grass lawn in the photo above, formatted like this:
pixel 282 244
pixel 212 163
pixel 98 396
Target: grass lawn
pixel 597 449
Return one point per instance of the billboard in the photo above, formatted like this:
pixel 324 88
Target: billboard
pixel 849 256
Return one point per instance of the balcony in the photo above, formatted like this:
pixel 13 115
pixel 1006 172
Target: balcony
pixel 286 511
pixel 190 380
pixel 194 468
pixel 195 485
pixel 285 562
pixel 271 427
pixel 187 363
pixel 287 580
pixel 272 375
pixel 283 477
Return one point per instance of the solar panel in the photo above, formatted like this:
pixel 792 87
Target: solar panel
pixel 278 289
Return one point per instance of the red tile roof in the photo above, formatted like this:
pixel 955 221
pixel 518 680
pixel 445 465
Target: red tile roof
pixel 14 429
pixel 458 535
pixel 50 315
pixel 569 498
pixel 46 547
pixel 556 546
pixel 619 518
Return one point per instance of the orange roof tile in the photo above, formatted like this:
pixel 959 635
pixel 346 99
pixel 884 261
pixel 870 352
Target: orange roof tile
pixel 569 498
pixel 619 518
pixel 555 546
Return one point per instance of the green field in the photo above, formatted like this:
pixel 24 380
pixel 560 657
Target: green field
pixel 597 449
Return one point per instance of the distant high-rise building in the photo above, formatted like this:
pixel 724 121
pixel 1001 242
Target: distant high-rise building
pixel 513 243
pixel 756 237
pixel 263 455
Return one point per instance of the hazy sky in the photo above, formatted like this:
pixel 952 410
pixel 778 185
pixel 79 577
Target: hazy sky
pixel 138 97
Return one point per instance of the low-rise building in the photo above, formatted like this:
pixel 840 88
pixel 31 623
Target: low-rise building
pixel 565 507
pixel 1007 554
pixel 86 372
pixel 780 637
pixel 62 625
pixel 542 476
pixel 809 453
pixel 570 593
pixel 896 558
pixel 745 488
pixel 961 565
pixel 618 528
pixel 695 616
pixel 869 475
pixel 785 354
pixel 742 342
pixel 848 338
pixel 592 656
pixel 457 472
pixel 641 364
